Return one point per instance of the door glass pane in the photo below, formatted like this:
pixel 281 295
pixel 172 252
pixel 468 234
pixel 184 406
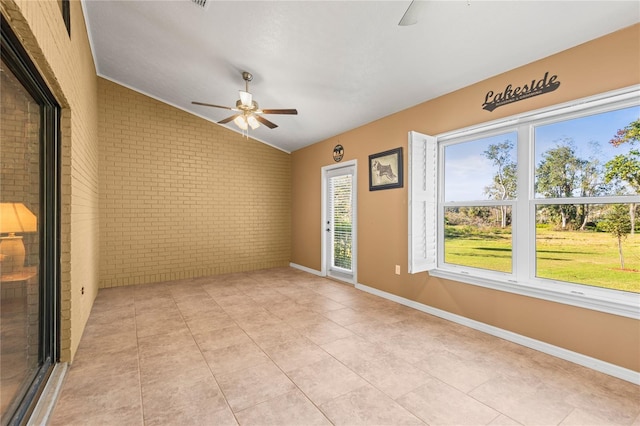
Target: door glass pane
pixel 478 236
pixel 603 252
pixel 19 240
pixel 341 218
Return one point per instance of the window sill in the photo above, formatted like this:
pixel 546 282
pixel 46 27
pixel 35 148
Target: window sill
pixel 627 304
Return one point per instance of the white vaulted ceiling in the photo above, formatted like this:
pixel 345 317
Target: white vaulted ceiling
pixel 342 64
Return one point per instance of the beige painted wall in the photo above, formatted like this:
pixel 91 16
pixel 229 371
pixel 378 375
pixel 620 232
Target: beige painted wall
pixel 66 64
pixel 182 197
pixel 608 63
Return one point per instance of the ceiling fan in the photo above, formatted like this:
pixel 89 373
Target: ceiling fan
pixel 248 114
pixel 414 11
pixel 410 17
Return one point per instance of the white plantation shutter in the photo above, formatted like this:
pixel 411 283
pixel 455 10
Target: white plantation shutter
pixel 422 202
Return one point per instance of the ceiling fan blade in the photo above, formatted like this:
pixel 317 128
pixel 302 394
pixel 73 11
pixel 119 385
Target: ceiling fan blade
pixel 410 17
pixel 266 122
pixel 212 105
pixel 228 119
pixel 292 111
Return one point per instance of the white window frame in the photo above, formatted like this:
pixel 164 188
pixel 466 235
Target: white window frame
pixel 522 279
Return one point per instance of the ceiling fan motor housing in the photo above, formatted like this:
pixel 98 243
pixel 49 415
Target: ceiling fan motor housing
pixel 247 108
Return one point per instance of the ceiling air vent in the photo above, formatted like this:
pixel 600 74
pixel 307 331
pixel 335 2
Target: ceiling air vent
pixel 202 3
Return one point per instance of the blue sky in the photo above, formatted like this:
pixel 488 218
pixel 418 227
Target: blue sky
pixel 469 172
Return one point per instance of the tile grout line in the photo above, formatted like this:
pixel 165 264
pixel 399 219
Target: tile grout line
pixel 135 325
pixel 215 379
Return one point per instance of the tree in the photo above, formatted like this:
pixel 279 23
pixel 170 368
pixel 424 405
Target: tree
pixel 592 183
pixel 630 134
pixel 558 176
pixel 626 168
pixel 504 185
pixel 617 222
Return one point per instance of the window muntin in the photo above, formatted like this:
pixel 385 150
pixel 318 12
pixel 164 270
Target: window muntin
pixel 578 128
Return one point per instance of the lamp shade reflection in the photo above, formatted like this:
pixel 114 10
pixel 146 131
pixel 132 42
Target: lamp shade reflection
pixel 14 217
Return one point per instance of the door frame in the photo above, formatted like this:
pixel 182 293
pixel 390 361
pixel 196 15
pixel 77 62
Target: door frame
pixel 354 229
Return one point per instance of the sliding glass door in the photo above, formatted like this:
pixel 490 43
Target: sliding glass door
pixel 28 231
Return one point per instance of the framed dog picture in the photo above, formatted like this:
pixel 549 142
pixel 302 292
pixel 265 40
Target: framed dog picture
pixel 385 170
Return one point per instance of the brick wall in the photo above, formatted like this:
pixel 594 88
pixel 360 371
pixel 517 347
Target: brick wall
pixel 182 197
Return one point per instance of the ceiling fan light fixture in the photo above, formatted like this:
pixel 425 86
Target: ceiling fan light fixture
pixel 246 99
pixel 253 122
pixel 241 122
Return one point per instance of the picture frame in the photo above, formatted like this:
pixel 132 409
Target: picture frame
pixel 385 170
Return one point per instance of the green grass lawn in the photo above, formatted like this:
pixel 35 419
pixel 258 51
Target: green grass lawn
pixel 576 256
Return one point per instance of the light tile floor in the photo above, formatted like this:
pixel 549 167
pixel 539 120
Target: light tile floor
pixel 283 347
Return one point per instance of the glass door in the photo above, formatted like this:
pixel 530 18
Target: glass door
pixel 340 223
pixel 28 242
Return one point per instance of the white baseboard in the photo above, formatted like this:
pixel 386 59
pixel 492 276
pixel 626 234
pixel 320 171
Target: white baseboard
pixel 305 269
pixel 575 357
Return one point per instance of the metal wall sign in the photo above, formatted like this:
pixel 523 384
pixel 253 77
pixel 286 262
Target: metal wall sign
pixel 338 153
pixel 512 94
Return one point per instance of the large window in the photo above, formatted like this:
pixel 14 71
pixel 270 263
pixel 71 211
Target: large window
pixel 587 183
pixel 544 204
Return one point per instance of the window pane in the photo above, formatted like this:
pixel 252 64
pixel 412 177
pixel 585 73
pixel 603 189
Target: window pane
pixel 602 252
pixel 476 237
pixel 20 128
pixel 481 169
pixel 342 218
pixel 583 158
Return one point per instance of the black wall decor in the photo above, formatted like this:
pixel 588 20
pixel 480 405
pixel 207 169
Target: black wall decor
pixel 338 153
pixel 385 170
pixel 512 94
